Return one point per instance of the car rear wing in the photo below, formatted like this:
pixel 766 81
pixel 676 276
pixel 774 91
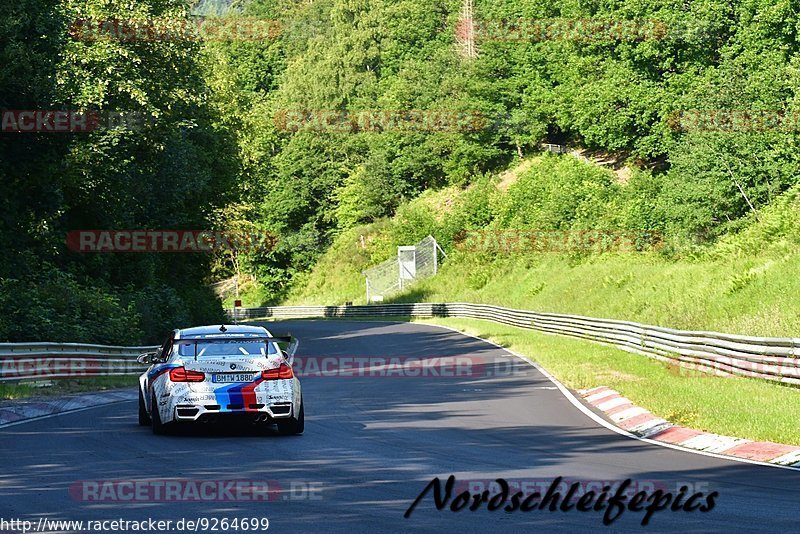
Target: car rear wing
pixel 290 351
pixel 234 338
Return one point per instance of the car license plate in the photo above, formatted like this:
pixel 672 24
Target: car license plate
pixel 231 378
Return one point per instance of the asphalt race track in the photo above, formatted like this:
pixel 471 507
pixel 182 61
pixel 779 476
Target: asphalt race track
pixel 371 445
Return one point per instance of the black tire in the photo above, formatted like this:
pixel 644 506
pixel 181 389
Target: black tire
pixel 292 426
pixel 144 417
pixel 159 428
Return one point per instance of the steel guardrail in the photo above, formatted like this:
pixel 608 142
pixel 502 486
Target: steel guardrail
pixel 45 360
pixel 774 359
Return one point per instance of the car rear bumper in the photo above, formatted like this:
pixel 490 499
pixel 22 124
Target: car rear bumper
pixel 254 412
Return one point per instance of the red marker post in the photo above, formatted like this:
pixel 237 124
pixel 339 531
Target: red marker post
pixel 236 304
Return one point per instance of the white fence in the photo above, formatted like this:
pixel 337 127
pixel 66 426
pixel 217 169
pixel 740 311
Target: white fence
pixel 773 359
pixel 413 262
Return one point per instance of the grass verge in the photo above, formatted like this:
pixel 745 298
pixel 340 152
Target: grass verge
pixel 9 391
pixel 739 407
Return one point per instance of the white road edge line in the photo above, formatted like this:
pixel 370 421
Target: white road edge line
pixel 596 418
pixel 48 416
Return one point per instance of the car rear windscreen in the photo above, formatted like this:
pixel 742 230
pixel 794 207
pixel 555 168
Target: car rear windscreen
pixel 225 348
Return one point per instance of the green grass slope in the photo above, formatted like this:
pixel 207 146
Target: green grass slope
pixel 746 283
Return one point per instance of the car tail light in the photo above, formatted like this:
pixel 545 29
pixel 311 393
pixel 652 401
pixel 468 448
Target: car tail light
pixel 281 373
pixel 180 374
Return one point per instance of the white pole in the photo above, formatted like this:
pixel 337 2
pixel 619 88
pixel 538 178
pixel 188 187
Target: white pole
pixel 399 270
pixel 435 256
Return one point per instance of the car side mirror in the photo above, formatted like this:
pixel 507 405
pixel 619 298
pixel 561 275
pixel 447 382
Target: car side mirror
pixel 147 357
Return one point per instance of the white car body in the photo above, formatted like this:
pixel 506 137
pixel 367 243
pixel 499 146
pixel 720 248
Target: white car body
pixel 213 372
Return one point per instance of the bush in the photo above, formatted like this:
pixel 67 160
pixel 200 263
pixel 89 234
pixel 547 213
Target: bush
pixel 53 306
pixel 162 309
pixel 559 193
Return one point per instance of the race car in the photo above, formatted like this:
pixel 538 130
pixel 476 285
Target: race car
pixel 211 373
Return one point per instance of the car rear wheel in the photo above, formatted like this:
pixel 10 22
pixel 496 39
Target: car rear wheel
pixel 293 426
pixel 144 417
pixel 158 426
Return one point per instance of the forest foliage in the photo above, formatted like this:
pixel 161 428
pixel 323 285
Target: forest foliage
pixel 218 152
